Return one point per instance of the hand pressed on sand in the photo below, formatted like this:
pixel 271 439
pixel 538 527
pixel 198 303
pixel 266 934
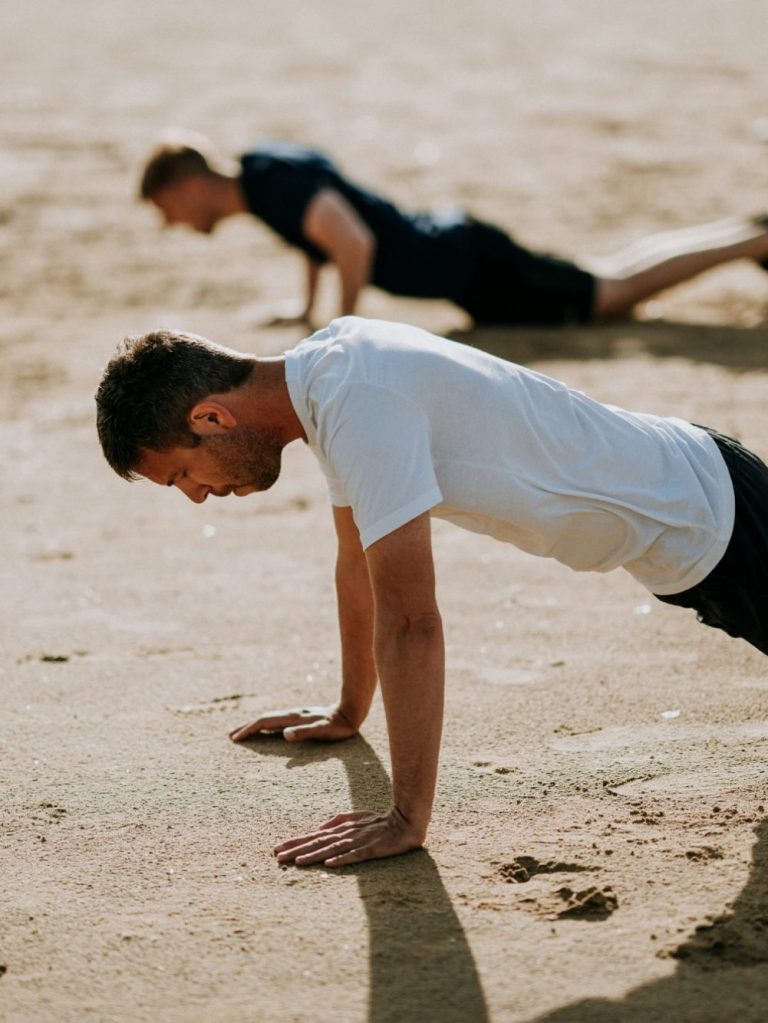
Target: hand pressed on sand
pixel 352 838
pixel 326 724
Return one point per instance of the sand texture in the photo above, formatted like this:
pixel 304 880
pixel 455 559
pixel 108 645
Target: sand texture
pixel 599 849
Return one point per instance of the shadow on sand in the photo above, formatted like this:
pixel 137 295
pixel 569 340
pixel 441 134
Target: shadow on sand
pixel 421 966
pixel 738 348
pixel 722 973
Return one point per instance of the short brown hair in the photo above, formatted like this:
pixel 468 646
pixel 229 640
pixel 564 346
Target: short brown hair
pixel 169 163
pixel 149 387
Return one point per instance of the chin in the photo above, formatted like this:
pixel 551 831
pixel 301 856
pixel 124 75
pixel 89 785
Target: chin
pixel 266 482
pixel 253 488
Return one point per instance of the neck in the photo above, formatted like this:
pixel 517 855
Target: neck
pixel 268 398
pixel 228 195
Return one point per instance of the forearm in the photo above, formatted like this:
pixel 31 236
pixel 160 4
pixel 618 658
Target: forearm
pixel 410 656
pixel 355 609
pixel 311 279
pixel 396 576
pixel 338 231
pixel 354 274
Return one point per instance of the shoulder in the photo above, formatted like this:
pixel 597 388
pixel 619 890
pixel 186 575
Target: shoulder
pixel 278 155
pixel 338 360
pixel 329 347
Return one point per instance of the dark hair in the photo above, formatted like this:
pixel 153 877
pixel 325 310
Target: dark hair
pixel 169 163
pixel 149 387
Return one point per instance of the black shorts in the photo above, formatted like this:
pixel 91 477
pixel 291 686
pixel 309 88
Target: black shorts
pixel 734 596
pixel 511 285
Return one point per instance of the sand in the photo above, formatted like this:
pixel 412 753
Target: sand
pixel 599 849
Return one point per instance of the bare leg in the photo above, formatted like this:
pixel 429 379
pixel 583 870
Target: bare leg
pixel 658 262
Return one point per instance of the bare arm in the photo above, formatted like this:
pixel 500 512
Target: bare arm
pixel 313 273
pixel 355 607
pixel 291 313
pixel 358 680
pixel 409 654
pixel 334 226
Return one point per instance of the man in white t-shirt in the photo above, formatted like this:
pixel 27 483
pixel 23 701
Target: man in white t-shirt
pixel 405 426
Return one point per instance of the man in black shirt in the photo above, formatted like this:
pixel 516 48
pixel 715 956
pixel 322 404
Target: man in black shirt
pixel 302 196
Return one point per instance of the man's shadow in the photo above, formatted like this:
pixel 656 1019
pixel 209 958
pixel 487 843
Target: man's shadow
pixel 737 348
pixel 421 965
pixel 722 973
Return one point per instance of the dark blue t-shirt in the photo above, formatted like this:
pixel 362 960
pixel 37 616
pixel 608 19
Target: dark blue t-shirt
pixel 425 255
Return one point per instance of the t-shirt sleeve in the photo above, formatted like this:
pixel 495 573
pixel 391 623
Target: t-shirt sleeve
pixel 335 490
pixel 379 461
pixel 287 191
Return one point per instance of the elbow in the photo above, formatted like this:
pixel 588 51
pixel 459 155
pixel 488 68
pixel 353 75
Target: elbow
pixel 419 626
pixel 426 625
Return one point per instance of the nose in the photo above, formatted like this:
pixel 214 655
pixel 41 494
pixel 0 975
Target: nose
pixel 196 492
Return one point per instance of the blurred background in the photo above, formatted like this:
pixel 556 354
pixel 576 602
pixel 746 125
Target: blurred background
pixel 576 124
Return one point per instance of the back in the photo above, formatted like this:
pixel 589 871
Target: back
pixel 426 255
pixel 404 422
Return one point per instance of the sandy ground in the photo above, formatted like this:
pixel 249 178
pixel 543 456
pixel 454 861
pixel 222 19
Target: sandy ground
pixel 599 850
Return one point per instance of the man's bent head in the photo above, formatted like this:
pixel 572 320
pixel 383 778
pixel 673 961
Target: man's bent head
pixel 149 388
pixel 182 178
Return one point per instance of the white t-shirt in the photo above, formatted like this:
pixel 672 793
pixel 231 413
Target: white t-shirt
pixel 403 422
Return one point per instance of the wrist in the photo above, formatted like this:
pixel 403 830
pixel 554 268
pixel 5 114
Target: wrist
pixel 353 715
pixel 414 818
pixel 354 707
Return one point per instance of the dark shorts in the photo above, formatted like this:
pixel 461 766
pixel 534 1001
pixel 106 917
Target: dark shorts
pixel 734 596
pixel 511 285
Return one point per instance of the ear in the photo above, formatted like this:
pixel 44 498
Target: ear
pixel 209 418
pixel 193 187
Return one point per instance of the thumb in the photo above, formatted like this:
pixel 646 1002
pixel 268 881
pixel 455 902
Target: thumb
pixel 314 730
